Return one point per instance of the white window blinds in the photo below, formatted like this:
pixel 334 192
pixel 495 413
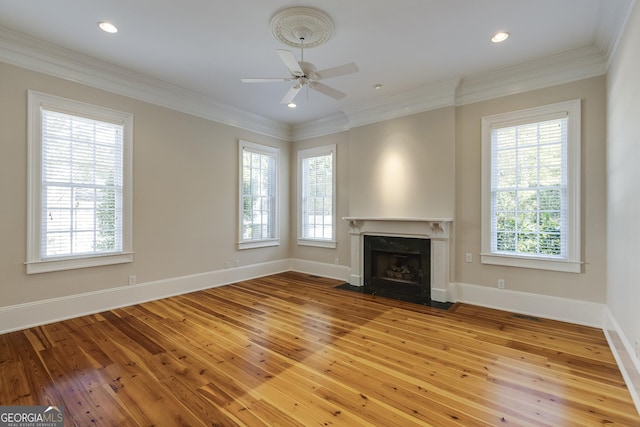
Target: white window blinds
pixel 82 185
pixel 529 188
pixel 258 193
pixel 317 197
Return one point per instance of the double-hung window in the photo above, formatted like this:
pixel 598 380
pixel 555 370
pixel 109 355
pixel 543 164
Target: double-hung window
pixel 80 185
pixel 531 188
pixel 258 195
pixel 316 197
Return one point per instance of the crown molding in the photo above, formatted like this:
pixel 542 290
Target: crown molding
pixel 37 55
pixel 425 98
pixel 612 27
pixel 611 19
pixel 325 126
pixel 566 67
pixel 574 65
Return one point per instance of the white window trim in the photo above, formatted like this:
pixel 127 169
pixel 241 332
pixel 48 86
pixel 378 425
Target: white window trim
pixel 271 151
pixel 35 264
pixel 304 154
pixel 572 262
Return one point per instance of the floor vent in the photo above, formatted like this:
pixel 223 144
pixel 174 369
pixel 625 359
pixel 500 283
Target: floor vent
pixel 525 317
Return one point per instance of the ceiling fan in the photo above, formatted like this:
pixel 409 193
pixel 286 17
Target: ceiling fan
pixel 305 73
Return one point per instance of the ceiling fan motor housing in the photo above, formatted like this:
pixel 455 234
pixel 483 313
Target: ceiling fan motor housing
pixel 309 70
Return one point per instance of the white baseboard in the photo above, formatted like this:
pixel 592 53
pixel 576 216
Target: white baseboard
pixel 623 352
pixel 563 309
pixel 339 272
pixel 35 313
pixel 22 316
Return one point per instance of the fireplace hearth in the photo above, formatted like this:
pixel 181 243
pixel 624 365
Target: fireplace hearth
pixel 398 267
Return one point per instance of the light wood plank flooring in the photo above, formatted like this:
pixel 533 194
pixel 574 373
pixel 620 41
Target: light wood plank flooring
pixel 292 350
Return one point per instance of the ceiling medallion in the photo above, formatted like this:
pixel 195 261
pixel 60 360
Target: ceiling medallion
pixel 298 26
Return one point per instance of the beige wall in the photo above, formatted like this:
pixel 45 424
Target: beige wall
pixel 404 167
pixel 185 194
pixel 623 179
pixel 342 251
pixel 185 190
pixel 587 286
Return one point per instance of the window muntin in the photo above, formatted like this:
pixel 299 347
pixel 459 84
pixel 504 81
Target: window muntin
pixel 82 186
pixel 79 185
pixel 531 167
pixel 258 195
pixel 528 189
pixel 316 205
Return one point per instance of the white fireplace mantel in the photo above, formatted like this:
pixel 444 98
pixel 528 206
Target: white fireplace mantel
pixel 438 230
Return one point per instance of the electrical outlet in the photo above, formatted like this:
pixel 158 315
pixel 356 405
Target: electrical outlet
pixel 237 263
pixel 132 279
pixel 227 264
pixel 468 257
pixel 500 283
pixel 336 261
pixel 637 349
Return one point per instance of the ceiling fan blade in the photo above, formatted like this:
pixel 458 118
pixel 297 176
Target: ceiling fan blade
pixel 285 79
pixel 329 91
pixel 291 94
pixel 340 70
pixel 290 61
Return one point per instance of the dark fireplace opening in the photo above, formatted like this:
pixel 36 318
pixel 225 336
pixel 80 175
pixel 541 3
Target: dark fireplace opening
pixel 398 267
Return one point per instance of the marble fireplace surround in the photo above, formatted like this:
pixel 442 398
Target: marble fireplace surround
pixel 438 230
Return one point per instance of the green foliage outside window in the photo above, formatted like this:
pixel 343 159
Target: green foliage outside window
pixel 528 188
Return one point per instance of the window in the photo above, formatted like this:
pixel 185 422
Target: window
pixel 316 197
pixel 258 196
pixel 80 185
pixel 531 188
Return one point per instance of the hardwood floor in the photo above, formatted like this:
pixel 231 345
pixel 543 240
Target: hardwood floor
pixel 291 350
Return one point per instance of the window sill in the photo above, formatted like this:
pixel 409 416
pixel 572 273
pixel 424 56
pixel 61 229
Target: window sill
pixel 45 266
pixel 562 265
pixel 258 244
pixel 317 243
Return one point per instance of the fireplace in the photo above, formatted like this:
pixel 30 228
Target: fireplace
pixel 398 267
pixel 434 233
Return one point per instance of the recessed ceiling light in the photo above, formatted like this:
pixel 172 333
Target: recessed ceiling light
pixel 291 105
pixel 107 27
pixel 500 37
pixel 377 86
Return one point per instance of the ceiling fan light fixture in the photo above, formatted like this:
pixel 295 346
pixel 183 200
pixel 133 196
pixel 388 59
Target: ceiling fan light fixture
pixel 107 27
pixel 500 36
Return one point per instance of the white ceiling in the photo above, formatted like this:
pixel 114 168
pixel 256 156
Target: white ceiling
pixel 206 46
